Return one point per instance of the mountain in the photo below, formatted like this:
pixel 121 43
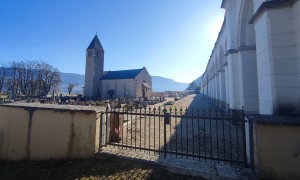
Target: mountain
pixel 159 84
pixel 197 81
pixel 72 78
pixel 194 84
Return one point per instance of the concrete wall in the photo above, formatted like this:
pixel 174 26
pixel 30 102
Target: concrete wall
pixel 32 133
pixel 277 151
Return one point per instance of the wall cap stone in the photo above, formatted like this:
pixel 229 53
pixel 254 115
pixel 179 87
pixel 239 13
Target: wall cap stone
pixel 273 120
pixel 57 108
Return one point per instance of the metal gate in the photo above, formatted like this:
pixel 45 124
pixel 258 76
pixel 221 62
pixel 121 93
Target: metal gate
pixel 193 134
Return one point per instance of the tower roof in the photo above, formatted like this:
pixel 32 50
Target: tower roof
pixel 95 44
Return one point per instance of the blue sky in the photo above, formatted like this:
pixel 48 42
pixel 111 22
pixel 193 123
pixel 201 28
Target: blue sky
pixel 171 38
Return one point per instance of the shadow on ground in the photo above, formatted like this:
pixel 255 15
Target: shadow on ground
pixel 101 168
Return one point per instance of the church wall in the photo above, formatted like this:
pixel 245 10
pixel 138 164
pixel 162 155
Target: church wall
pixel 143 76
pixel 121 87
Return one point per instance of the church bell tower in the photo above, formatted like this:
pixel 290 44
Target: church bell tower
pixel 93 69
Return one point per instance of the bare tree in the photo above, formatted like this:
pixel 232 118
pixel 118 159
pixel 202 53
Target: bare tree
pixel 12 82
pixel 31 78
pixel 71 86
pixel 3 73
pixel 48 77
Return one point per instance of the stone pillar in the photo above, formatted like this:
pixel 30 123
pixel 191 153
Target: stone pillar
pixel 235 85
pixel 226 84
pixel 213 87
pixel 278 51
pixel 222 86
pixel 217 93
pixel 209 88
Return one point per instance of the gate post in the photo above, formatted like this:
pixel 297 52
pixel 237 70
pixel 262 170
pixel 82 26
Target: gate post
pixel 102 130
pixel 116 126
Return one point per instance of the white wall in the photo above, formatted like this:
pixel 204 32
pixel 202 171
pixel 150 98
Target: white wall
pixel 278 60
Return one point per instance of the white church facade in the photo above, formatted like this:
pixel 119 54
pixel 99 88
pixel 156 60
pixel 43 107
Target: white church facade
pixel 133 83
pixel 255 63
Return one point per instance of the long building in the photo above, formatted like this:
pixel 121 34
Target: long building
pixel 255 63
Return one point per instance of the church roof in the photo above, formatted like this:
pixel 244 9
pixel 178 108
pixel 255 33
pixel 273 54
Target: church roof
pixel 95 43
pixel 124 74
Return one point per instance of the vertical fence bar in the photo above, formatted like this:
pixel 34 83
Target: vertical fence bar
pixel 204 122
pixel 210 134
pixel 244 137
pixel 140 129
pixel 217 133
pixel 159 120
pixel 181 125
pixel 176 131
pixel 145 119
pixel 149 144
pixel 170 122
pixel 118 127
pixel 131 121
pixel 154 126
pixel 127 112
pixel 165 133
pixel 193 141
pixel 187 133
pixel 230 136
pixel 122 127
pixel 237 135
pixel 224 138
pixel 135 128
pixel 199 134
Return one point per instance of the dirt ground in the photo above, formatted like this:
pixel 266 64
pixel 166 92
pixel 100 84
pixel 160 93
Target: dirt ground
pixel 101 168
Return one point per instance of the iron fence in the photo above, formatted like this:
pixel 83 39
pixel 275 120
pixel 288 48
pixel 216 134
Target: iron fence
pixel 183 133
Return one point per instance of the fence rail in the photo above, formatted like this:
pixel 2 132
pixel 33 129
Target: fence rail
pixel 200 135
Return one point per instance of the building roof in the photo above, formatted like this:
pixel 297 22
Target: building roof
pixel 124 74
pixel 95 44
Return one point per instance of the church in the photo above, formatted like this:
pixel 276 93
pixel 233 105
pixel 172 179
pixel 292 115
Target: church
pixel 100 84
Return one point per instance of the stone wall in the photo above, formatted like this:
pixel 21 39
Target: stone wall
pixel 43 133
pixel 276 150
